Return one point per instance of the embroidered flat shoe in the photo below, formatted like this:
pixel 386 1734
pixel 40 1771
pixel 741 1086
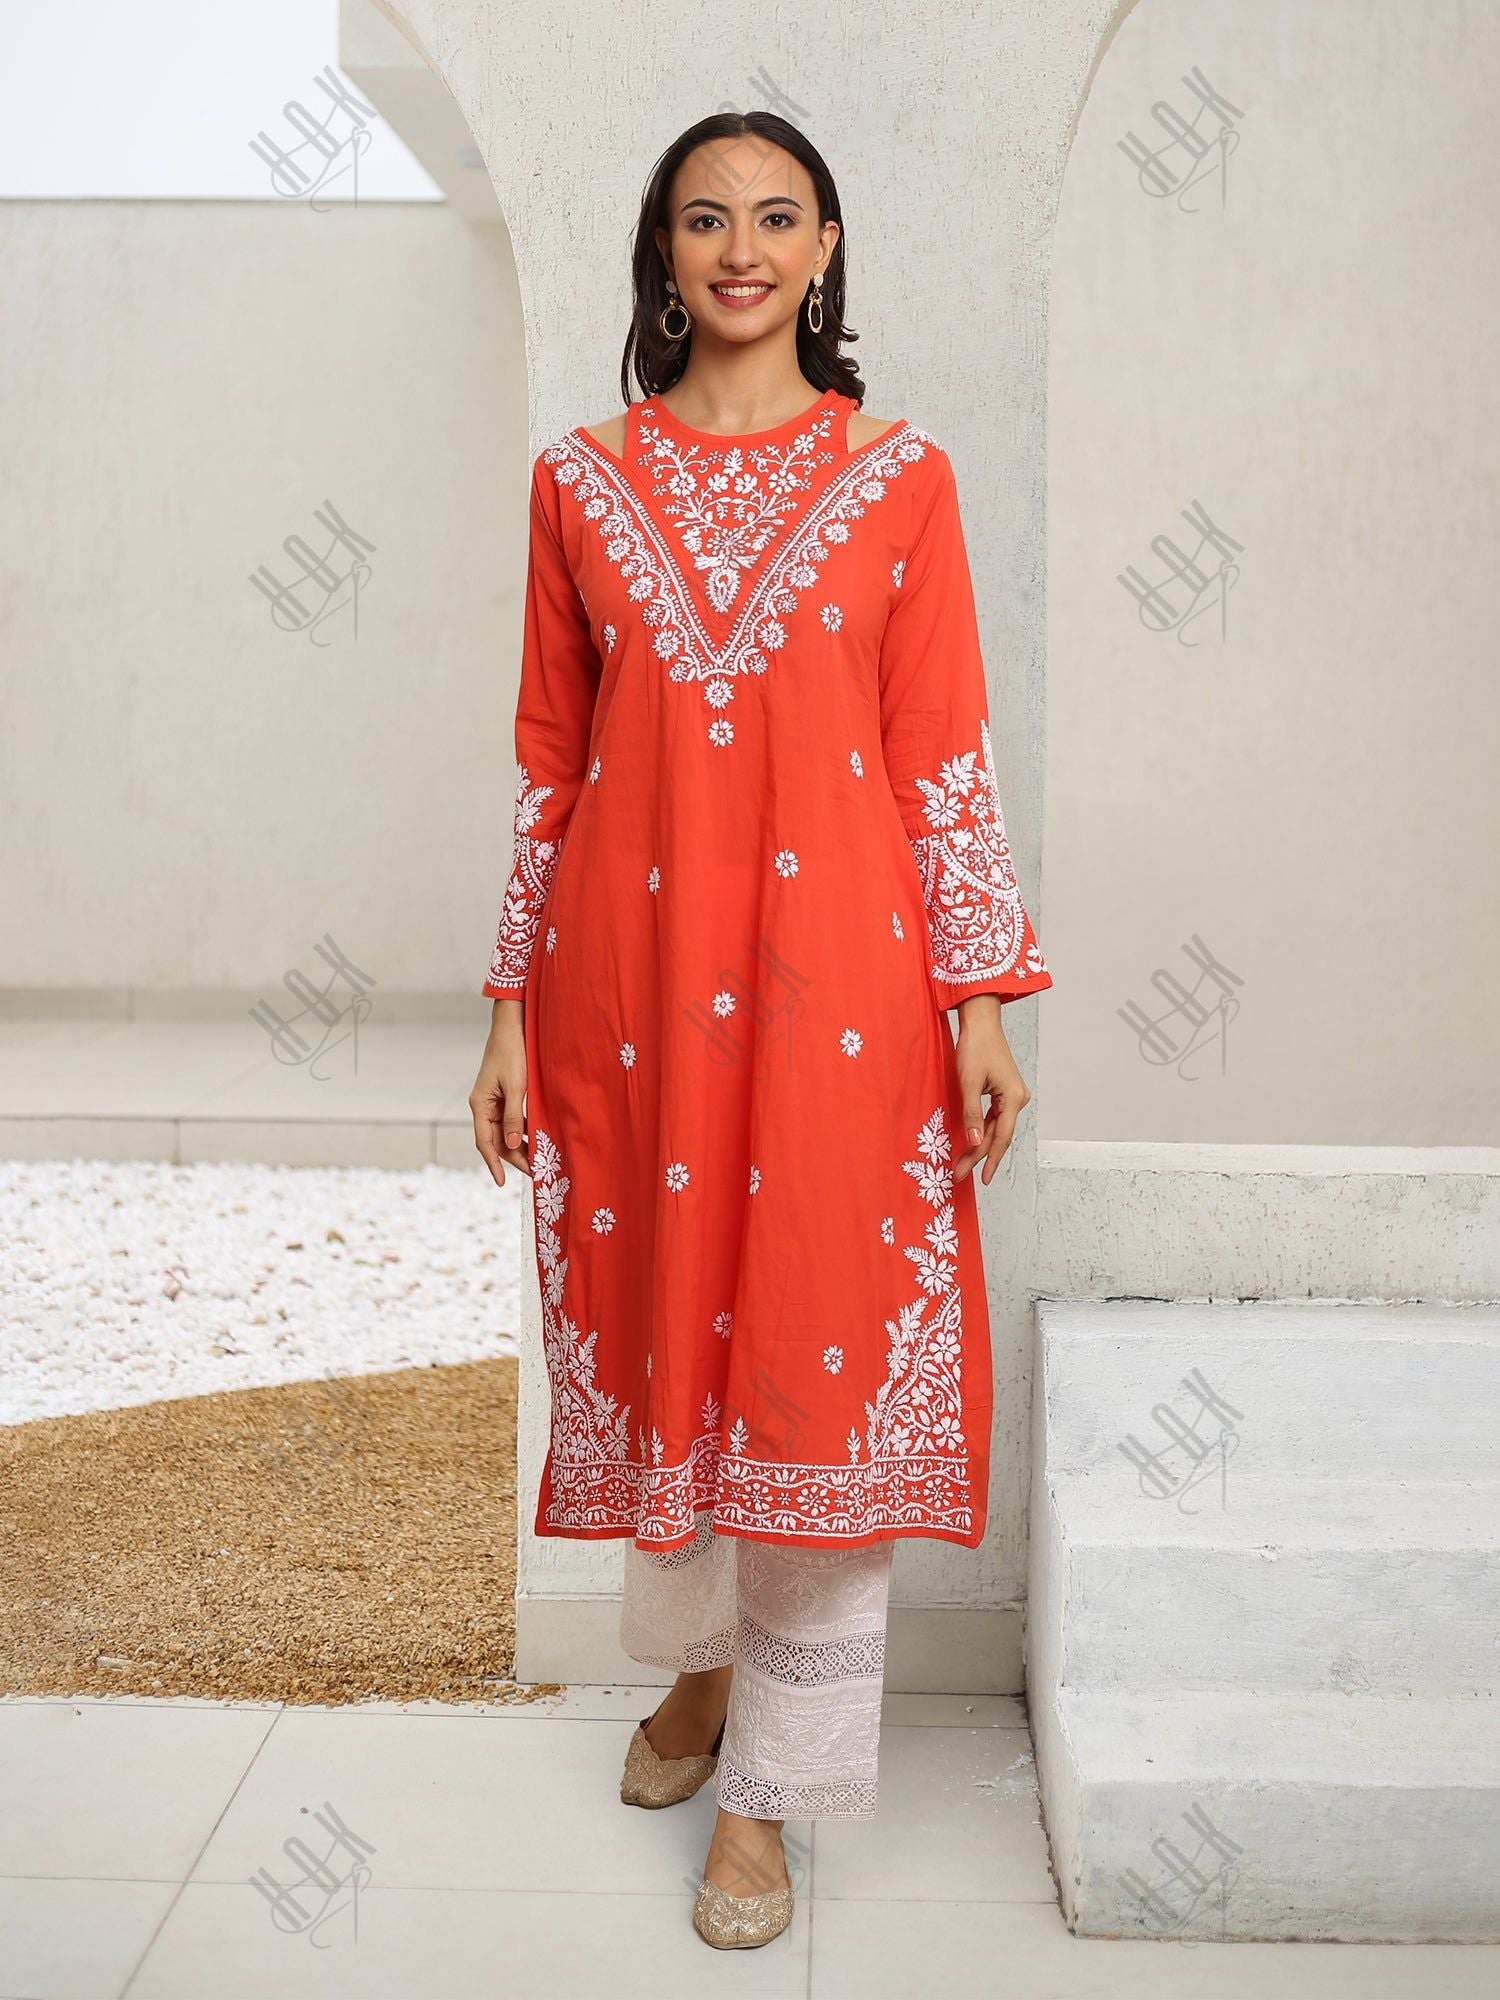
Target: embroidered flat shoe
pixel 732 1923
pixel 650 1780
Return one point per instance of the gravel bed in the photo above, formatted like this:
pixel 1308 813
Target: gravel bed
pixel 123 1283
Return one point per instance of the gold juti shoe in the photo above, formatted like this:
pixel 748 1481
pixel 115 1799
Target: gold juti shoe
pixel 650 1780
pixel 733 1922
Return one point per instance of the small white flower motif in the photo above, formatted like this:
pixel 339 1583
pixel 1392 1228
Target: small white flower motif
pixel 833 617
pixel 754 1180
pixel 677 1176
pixel 888 1229
pixel 786 862
pixel 721 732
pixel 551 937
pixel 604 1221
pixel 723 1323
pixel 856 764
pixel 610 636
pixel 833 1359
pixel 627 1054
pixel 653 880
pixel 851 1041
pixel 896 925
pixel 718 693
pixel 723 1004
pixel 739 1437
pixel 648 1364
pixel 896 573
pixel 594 772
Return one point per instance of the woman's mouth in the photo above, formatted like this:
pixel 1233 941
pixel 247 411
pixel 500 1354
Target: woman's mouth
pixel 741 294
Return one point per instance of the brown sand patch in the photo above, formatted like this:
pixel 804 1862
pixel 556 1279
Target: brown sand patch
pixel 319 1542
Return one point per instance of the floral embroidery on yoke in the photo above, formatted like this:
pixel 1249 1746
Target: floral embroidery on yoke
pixel 755 527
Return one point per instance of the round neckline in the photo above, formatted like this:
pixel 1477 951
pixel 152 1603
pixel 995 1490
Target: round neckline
pixel 802 418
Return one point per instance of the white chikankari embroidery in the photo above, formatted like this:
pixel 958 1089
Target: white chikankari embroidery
pixel 627 1054
pixel 799 540
pixel 896 570
pixel 589 1429
pixel 724 1003
pixel 856 764
pixel 851 1041
pixel 786 862
pixel 594 771
pixel 755 1180
pixel 974 911
pixel 910 1470
pixel 653 880
pixel 552 937
pixel 896 924
pixel 610 635
pixel 728 504
pixel 833 617
pixel 677 1176
pixel 911 1467
pixel 604 1221
pixel 533 866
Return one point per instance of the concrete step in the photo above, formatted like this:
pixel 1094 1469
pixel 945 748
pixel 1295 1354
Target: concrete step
pixel 1236 1815
pixel 1275 1583
pixel 1311 1387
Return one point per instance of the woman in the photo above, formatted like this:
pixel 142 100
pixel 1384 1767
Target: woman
pixel 758 854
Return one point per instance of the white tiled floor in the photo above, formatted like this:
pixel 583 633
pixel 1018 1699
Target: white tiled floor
pixel 502 1864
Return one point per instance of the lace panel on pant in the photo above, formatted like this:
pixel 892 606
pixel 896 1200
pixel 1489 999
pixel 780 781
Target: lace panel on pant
pixel 805 1629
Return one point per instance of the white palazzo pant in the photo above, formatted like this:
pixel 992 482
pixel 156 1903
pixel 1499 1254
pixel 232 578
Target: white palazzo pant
pixel 805 1630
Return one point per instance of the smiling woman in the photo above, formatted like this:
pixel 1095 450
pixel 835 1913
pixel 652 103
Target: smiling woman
pixel 759 853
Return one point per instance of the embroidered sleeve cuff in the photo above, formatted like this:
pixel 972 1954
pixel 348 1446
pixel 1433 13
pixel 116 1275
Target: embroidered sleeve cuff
pixel 1033 977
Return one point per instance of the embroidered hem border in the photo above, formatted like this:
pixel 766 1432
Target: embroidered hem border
pixel 890 1493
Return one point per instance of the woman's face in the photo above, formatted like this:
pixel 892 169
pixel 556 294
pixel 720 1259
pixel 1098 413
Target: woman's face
pixel 744 215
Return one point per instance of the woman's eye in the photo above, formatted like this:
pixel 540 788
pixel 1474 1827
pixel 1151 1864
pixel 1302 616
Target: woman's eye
pixel 781 215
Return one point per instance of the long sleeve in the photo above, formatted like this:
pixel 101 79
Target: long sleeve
pixel 934 721
pixel 560 670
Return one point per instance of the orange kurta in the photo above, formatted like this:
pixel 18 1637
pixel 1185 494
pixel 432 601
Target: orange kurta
pixel 758 852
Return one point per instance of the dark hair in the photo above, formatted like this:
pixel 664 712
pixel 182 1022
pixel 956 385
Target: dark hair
pixel 657 362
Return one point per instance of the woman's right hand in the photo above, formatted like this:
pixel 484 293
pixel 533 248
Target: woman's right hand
pixel 498 1099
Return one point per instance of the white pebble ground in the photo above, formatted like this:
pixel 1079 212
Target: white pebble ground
pixel 132 1282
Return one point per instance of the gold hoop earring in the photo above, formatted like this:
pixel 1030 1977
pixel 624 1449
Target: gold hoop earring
pixel 815 298
pixel 674 304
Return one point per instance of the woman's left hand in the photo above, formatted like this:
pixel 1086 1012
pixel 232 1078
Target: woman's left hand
pixel 986 1067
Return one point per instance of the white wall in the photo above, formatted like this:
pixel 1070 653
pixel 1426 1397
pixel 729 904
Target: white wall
pixel 190 797
pixel 1312 790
